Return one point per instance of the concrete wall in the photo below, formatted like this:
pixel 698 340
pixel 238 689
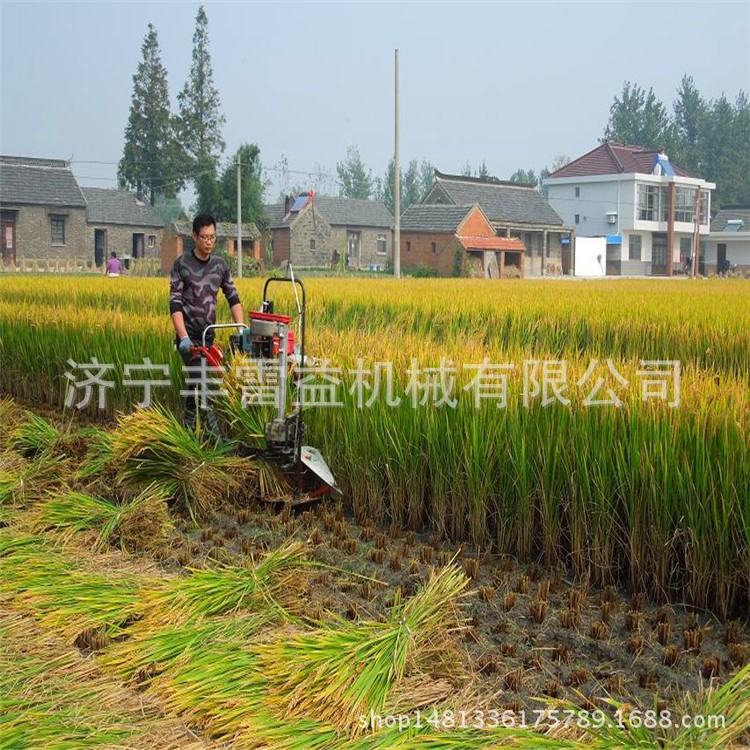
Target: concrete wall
pixel 310 227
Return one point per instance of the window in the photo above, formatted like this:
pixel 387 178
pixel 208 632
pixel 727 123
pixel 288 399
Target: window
pixel 408 246
pixel 433 247
pixel 57 224
pixel 382 246
pixel 634 246
pixel 686 248
pixel 577 218
pixel 151 241
pixel 578 192
pixel 312 244
pixel 684 204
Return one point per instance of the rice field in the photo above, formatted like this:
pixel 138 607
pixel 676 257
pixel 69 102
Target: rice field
pixel 503 447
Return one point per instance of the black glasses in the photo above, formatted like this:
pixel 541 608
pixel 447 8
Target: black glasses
pixel 207 237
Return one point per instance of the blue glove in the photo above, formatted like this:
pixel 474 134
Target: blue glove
pixel 185 345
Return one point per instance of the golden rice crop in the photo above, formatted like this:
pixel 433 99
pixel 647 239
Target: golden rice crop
pixel 639 493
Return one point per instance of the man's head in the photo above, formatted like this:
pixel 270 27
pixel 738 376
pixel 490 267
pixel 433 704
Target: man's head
pixel 204 234
pixel 113 254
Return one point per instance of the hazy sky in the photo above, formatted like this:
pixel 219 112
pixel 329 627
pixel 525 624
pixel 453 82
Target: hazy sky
pixel 513 84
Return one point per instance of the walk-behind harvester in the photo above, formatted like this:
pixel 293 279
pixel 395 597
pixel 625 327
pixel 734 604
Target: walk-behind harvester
pixel 269 341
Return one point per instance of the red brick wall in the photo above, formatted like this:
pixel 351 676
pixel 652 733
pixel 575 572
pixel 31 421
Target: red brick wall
pixel 281 239
pixel 476 226
pixel 442 261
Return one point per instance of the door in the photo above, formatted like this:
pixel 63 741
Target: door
pixel 721 257
pixel 354 250
pixel 100 246
pixel 658 254
pixel 138 245
pixel 8 237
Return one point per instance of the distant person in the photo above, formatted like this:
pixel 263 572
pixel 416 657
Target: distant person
pixel 114 267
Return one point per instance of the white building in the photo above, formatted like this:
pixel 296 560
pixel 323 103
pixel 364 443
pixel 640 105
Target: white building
pixel 728 244
pixel 644 207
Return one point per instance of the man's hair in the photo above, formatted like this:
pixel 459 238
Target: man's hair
pixel 203 220
pixel 114 254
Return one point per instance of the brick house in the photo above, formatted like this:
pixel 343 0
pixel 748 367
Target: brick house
pixel 315 231
pixel 457 241
pixel 42 211
pixel 179 240
pixel 119 222
pixel 514 210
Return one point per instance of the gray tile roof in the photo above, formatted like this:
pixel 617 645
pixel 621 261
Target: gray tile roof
pixel 112 206
pixel 350 212
pixel 719 222
pixel 440 218
pixel 223 230
pixel 275 214
pixel 42 182
pixel 501 201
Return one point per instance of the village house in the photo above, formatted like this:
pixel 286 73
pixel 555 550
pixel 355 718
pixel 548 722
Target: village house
pixel 514 210
pixel 457 241
pixel 317 231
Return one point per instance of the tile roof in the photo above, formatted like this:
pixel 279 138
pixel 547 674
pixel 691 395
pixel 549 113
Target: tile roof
pixel 223 229
pixel 113 206
pixel 719 222
pixel 351 212
pixel 502 202
pixel 43 182
pixel 491 243
pixel 437 217
pixel 613 158
pixel 275 213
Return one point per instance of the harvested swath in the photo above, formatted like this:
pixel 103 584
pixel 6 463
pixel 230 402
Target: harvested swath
pixel 10 417
pixel 152 446
pixel 53 698
pixel 34 435
pixel 59 593
pixel 149 648
pixel 23 482
pixel 275 583
pixel 98 463
pixel 336 674
pixel 143 523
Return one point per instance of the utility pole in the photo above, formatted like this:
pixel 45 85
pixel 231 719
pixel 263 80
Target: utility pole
pixel 397 191
pixel 697 233
pixel 239 218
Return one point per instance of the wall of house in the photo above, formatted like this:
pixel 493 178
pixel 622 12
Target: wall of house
pixel 281 243
pixel 591 206
pixel 369 257
pixel 119 239
pixel 737 251
pixel 309 227
pixel 416 250
pixel 34 234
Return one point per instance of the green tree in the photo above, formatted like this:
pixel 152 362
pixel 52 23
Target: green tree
pixel 524 177
pixel 251 188
pixel 415 183
pixel 201 120
pixel 689 121
pixel 638 119
pixel 355 180
pixel 153 161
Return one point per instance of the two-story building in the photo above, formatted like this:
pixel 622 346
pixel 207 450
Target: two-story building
pixel 648 215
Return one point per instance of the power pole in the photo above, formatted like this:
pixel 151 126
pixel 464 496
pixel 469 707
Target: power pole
pixel 397 191
pixel 239 218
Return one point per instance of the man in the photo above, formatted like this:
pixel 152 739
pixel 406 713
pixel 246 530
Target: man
pixel 114 267
pixel 194 287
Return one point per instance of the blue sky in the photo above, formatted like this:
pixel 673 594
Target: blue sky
pixel 513 84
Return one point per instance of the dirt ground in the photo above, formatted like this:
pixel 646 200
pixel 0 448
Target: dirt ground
pixel 530 632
